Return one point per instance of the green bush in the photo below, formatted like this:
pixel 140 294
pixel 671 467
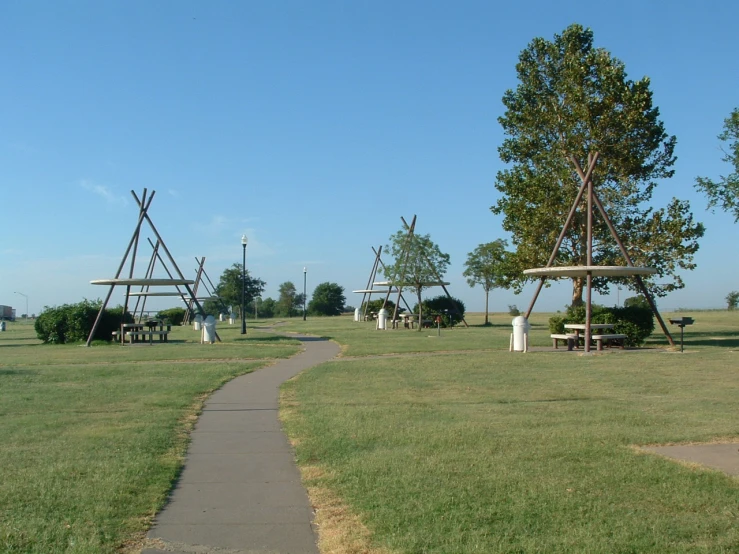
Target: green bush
pixel 175 316
pixel 557 325
pixel 513 310
pixel 450 309
pixel 635 321
pixel 73 322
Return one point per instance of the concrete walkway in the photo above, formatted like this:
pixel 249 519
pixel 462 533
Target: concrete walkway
pixel 240 490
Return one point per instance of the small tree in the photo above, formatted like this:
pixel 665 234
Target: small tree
pixel 485 266
pixel 328 299
pixel 725 192
pixel 732 300
pixel 417 261
pixel 229 289
pixel 286 300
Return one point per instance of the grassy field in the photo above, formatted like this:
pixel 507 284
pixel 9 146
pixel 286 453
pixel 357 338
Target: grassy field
pixel 91 439
pixel 417 442
pixel 470 448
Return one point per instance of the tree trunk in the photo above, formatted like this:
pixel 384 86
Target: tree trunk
pixel 487 293
pixel 578 286
pixel 420 310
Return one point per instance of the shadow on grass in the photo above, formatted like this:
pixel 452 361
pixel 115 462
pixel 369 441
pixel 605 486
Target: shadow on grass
pixel 724 339
pixel 18 372
pixel 262 339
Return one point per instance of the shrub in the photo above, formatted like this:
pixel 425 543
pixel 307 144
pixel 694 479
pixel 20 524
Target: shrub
pixel 557 325
pixel 73 322
pixel 513 310
pixel 732 300
pixel 450 309
pixel 635 321
pixel 637 301
pixel 174 315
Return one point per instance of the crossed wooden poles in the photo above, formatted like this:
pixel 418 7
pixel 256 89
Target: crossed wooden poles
pixel 592 199
pixel 405 254
pixel 179 280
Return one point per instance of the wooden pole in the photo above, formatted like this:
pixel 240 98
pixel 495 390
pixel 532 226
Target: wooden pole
pixel 407 251
pixel 573 209
pixel 407 307
pixel 589 297
pixel 370 281
pixel 120 268
pixel 171 259
pixel 629 262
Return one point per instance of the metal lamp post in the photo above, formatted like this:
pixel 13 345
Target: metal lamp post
pixel 26 297
pixel 244 240
pixel 305 273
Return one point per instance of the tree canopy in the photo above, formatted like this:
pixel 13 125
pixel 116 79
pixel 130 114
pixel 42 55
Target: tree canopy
pixel 417 261
pixel 724 193
pixel 229 289
pixel 486 266
pixel 328 299
pixel 573 100
pixel 286 305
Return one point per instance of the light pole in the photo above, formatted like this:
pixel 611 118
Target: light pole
pixel 26 297
pixel 305 273
pixel 244 240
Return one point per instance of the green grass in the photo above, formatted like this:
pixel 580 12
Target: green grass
pixel 491 451
pixel 91 439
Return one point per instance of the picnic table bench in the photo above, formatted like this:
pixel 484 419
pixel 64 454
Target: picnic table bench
pixel 138 335
pixel 601 339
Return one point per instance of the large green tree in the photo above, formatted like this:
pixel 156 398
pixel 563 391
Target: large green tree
pixel 573 100
pixel 724 193
pixel 328 299
pixel 417 261
pixel 229 288
pixel 486 266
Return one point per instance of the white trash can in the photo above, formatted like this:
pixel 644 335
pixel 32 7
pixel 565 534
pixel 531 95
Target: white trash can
pixel 221 317
pixel 2 326
pixel 197 322
pixel 382 319
pixel 230 319
pixel 520 334
pixel 209 330
pixel 356 314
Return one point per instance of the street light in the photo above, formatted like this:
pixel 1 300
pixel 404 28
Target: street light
pixel 26 297
pixel 305 272
pixel 244 240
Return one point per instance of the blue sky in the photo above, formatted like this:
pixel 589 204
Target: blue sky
pixel 311 127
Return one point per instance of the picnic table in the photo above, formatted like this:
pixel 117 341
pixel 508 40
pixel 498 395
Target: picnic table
pixel 599 338
pixel 135 332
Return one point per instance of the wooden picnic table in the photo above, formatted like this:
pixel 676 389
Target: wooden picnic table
pixel 599 338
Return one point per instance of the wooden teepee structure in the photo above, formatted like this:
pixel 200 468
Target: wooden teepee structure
pixel 176 279
pixel 589 270
pixel 400 281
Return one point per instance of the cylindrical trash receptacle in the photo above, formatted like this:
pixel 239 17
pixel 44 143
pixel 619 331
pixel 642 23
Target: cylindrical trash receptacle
pixel 230 319
pixel 382 319
pixel 197 322
pixel 221 317
pixel 2 326
pixel 209 330
pixel 356 314
pixel 520 333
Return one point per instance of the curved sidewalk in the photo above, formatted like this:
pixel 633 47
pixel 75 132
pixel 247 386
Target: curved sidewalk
pixel 240 490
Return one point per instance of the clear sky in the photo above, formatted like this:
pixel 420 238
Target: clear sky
pixel 311 127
